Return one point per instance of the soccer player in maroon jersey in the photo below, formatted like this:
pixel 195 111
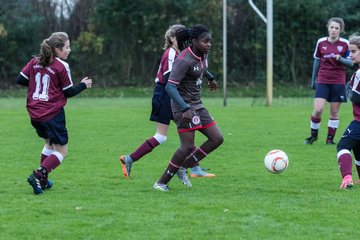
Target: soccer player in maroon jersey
pixel 350 140
pixel 176 39
pixel 328 78
pixel 184 88
pixel 49 83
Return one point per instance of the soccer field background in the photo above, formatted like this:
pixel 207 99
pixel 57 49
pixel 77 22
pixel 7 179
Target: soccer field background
pixel 91 199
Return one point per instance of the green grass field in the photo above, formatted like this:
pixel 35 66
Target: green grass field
pixel 91 199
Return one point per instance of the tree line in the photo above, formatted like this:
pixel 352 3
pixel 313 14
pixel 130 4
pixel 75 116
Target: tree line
pixel 119 43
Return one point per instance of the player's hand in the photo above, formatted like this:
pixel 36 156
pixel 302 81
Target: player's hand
pixel 187 114
pixel 336 56
pixel 87 81
pixel 212 85
pixel 313 85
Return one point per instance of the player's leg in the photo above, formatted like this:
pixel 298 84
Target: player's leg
pixel 321 95
pixel 337 96
pixel 186 146
pixel 215 139
pixel 55 134
pixel 315 119
pixel 333 123
pixel 151 143
pixel 147 146
pixel 344 147
pixel 162 115
pixel 47 150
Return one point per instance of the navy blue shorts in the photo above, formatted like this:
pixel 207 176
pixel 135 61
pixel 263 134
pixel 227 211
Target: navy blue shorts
pixel 161 105
pixel 331 92
pixel 53 129
pixel 350 139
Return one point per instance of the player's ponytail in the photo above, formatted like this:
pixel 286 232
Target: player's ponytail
pixel 171 33
pixel 46 53
pixel 182 36
pixel 47 47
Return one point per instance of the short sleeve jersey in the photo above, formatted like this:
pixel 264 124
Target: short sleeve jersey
pixel 355 85
pixel 331 71
pixel 166 64
pixel 186 75
pixel 45 97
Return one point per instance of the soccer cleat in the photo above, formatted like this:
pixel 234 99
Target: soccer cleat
pixel 310 140
pixel 197 172
pixel 347 182
pixel 45 183
pixel 34 182
pixel 161 187
pixel 330 142
pixel 182 174
pixel 126 163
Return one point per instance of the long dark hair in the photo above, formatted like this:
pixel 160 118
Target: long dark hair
pixel 47 47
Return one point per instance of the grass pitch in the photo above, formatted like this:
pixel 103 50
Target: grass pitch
pixel 91 199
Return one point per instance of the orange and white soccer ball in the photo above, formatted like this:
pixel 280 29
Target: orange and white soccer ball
pixel 276 161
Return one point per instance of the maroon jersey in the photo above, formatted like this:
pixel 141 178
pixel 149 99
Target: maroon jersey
pixel 166 64
pixel 45 97
pixel 355 85
pixel 186 75
pixel 331 71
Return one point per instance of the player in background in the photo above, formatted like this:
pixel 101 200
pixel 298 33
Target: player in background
pixel 328 78
pixel 176 39
pixel 49 83
pixel 184 88
pixel 350 140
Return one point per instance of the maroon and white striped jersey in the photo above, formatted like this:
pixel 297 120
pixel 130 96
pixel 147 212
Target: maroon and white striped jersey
pixel 166 64
pixel 45 96
pixel 331 71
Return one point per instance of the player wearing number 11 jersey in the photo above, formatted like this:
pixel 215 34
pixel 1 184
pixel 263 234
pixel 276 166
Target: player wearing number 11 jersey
pixel 49 84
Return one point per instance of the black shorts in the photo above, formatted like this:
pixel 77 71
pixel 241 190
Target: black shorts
pixel 351 139
pixel 53 129
pixel 201 119
pixel 331 92
pixel 161 105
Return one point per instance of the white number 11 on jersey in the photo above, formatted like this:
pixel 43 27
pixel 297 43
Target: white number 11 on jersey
pixel 42 84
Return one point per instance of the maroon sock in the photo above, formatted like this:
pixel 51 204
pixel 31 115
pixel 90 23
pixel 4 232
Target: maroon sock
pixel 173 167
pixel 42 158
pixel 50 163
pixel 144 149
pixel 331 133
pixel 345 163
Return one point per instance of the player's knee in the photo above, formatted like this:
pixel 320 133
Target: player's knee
pixel 187 149
pixel 317 113
pixel 219 140
pixel 160 137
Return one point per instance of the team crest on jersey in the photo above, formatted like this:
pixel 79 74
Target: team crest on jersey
pixel 196 68
pixel 196 120
pixel 340 48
